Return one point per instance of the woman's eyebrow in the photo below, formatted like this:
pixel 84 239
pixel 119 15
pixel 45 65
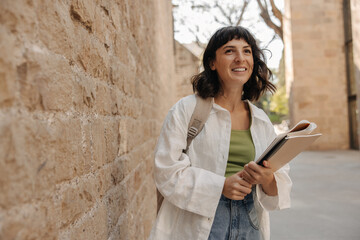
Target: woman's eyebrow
pixel 231 46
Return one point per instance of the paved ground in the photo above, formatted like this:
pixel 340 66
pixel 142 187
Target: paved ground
pixel 325 198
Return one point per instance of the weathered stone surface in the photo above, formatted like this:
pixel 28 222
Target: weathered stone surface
pixel 187 65
pixel 91 226
pixel 355 23
pixel 29 221
pixel 84 88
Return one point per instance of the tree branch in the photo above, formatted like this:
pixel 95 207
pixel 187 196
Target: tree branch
pixel 219 21
pixel 277 13
pixel 267 19
pixel 223 13
pixel 242 13
pixel 273 38
pixel 195 34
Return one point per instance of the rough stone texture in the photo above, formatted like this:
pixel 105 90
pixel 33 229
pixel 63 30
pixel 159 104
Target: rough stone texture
pixel 84 88
pixel 355 21
pixel 316 73
pixel 187 65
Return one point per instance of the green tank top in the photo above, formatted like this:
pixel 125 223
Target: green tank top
pixel 241 151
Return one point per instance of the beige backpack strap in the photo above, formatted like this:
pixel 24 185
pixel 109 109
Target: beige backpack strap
pixel 200 115
pixel 198 118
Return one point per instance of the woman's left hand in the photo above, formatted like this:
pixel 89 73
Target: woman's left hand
pixel 256 174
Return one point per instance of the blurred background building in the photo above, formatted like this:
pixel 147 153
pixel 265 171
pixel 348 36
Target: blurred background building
pixel 322 50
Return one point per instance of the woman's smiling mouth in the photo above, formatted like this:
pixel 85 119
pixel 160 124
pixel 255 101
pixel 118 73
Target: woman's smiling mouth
pixel 239 70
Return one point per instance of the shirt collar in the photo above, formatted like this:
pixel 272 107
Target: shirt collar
pixel 254 110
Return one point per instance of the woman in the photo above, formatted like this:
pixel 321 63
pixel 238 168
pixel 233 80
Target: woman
pixel 215 190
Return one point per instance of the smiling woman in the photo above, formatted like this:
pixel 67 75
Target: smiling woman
pixel 214 190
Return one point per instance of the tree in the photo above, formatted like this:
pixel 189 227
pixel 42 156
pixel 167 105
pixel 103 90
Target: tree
pixel 277 105
pixel 265 15
pixel 220 12
pixel 230 14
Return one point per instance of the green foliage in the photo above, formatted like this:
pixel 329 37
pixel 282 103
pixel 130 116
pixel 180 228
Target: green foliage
pixel 276 106
pixel 275 118
pixel 279 102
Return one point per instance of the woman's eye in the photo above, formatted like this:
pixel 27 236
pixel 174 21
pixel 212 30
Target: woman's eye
pixel 247 51
pixel 229 51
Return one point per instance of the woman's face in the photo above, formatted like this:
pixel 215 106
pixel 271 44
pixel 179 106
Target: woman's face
pixel 233 63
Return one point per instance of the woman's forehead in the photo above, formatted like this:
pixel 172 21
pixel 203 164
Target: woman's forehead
pixel 236 42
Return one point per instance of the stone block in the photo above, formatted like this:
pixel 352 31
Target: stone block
pixel 10 55
pixel 57 157
pixel 76 199
pixel 7 88
pixel 70 143
pixel 19 17
pixel 41 85
pixel 123 77
pixel 117 203
pixel 12 170
pixel 127 128
pixel 103 25
pixel 103 103
pixel 92 226
pixel 55 28
pixel 115 101
pixel 123 228
pixel 28 221
pixel 112 139
pixel 91 56
pixel 83 13
pixel 121 46
pixel 84 93
pixel 98 144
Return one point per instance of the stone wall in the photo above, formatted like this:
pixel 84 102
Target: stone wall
pixel 316 79
pixel 84 88
pixel 186 65
pixel 355 22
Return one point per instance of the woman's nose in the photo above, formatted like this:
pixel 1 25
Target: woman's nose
pixel 239 57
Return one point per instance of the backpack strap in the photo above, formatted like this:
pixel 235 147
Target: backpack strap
pixel 198 118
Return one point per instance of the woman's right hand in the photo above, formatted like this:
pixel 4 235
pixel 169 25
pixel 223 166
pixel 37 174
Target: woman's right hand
pixel 236 188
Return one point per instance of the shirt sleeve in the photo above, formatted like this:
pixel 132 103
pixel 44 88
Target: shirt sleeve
pixel 189 188
pixel 283 182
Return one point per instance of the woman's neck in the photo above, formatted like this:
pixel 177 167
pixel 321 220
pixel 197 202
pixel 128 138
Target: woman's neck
pixel 231 100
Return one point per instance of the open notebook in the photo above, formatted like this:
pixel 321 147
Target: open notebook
pixel 288 145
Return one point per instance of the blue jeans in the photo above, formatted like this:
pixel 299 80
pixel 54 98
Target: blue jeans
pixel 235 220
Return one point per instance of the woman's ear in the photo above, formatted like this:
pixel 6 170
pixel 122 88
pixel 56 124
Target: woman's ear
pixel 212 65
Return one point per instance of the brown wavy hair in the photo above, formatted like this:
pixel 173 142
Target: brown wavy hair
pixel 206 84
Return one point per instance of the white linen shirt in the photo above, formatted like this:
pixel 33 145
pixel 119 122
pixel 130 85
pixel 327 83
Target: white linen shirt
pixel 192 183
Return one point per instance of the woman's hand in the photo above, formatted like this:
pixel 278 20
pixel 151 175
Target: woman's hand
pixel 256 174
pixel 236 188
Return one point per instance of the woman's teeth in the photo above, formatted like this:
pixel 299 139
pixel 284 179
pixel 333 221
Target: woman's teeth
pixel 239 69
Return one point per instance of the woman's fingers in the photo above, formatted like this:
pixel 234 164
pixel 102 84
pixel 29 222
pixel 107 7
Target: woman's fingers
pixel 248 178
pixel 244 183
pixel 252 173
pixel 236 188
pixel 267 164
pixel 242 187
pixel 257 174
